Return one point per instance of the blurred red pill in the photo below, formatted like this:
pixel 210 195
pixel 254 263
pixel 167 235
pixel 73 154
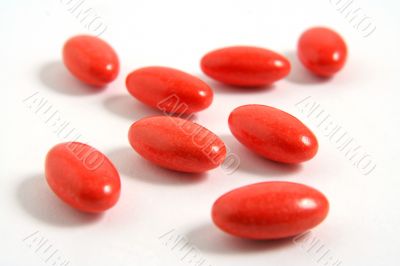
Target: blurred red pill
pixel 82 177
pixel 91 60
pixel 245 66
pixel 322 51
pixel 270 210
pixel 177 144
pixel 169 90
pixel 273 133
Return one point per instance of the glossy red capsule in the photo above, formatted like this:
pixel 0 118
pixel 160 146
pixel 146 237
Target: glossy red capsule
pixel 82 177
pixel 169 90
pixel 270 210
pixel 245 66
pixel 273 133
pixel 177 144
pixel 322 51
pixel 91 60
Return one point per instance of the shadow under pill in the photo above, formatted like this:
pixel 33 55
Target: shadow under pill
pixel 299 74
pixel 221 88
pixel 55 76
pixel 132 165
pixel 253 163
pixel 126 107
pixel 37 199
pixel 208 238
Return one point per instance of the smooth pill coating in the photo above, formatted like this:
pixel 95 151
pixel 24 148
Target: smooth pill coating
pixel 91 60
pixel 245 66
pixel 82 177
pixel 169 90
pixel 273 133
pixel 177 144
pixel 322 51
pixel 270 210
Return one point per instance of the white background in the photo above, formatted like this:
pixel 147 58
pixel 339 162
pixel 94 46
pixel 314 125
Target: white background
pixel 362 226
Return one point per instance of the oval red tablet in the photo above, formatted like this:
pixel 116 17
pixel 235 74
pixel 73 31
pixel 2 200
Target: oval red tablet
pixel 177 144
pixel 82 177
pixel 273 133
pixel 169 90
pixel 322 51
pixel 91 60
pixel 245 66
pixel 270 210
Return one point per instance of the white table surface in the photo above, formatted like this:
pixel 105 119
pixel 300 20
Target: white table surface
pixel 157 207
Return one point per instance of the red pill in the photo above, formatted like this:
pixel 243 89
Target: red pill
pixel 245 66
pixel 91 60
pixel 322 51
pixel 169 90
pixel 273 133
pixel 82 177
pixel 270 210
pixel 177 144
